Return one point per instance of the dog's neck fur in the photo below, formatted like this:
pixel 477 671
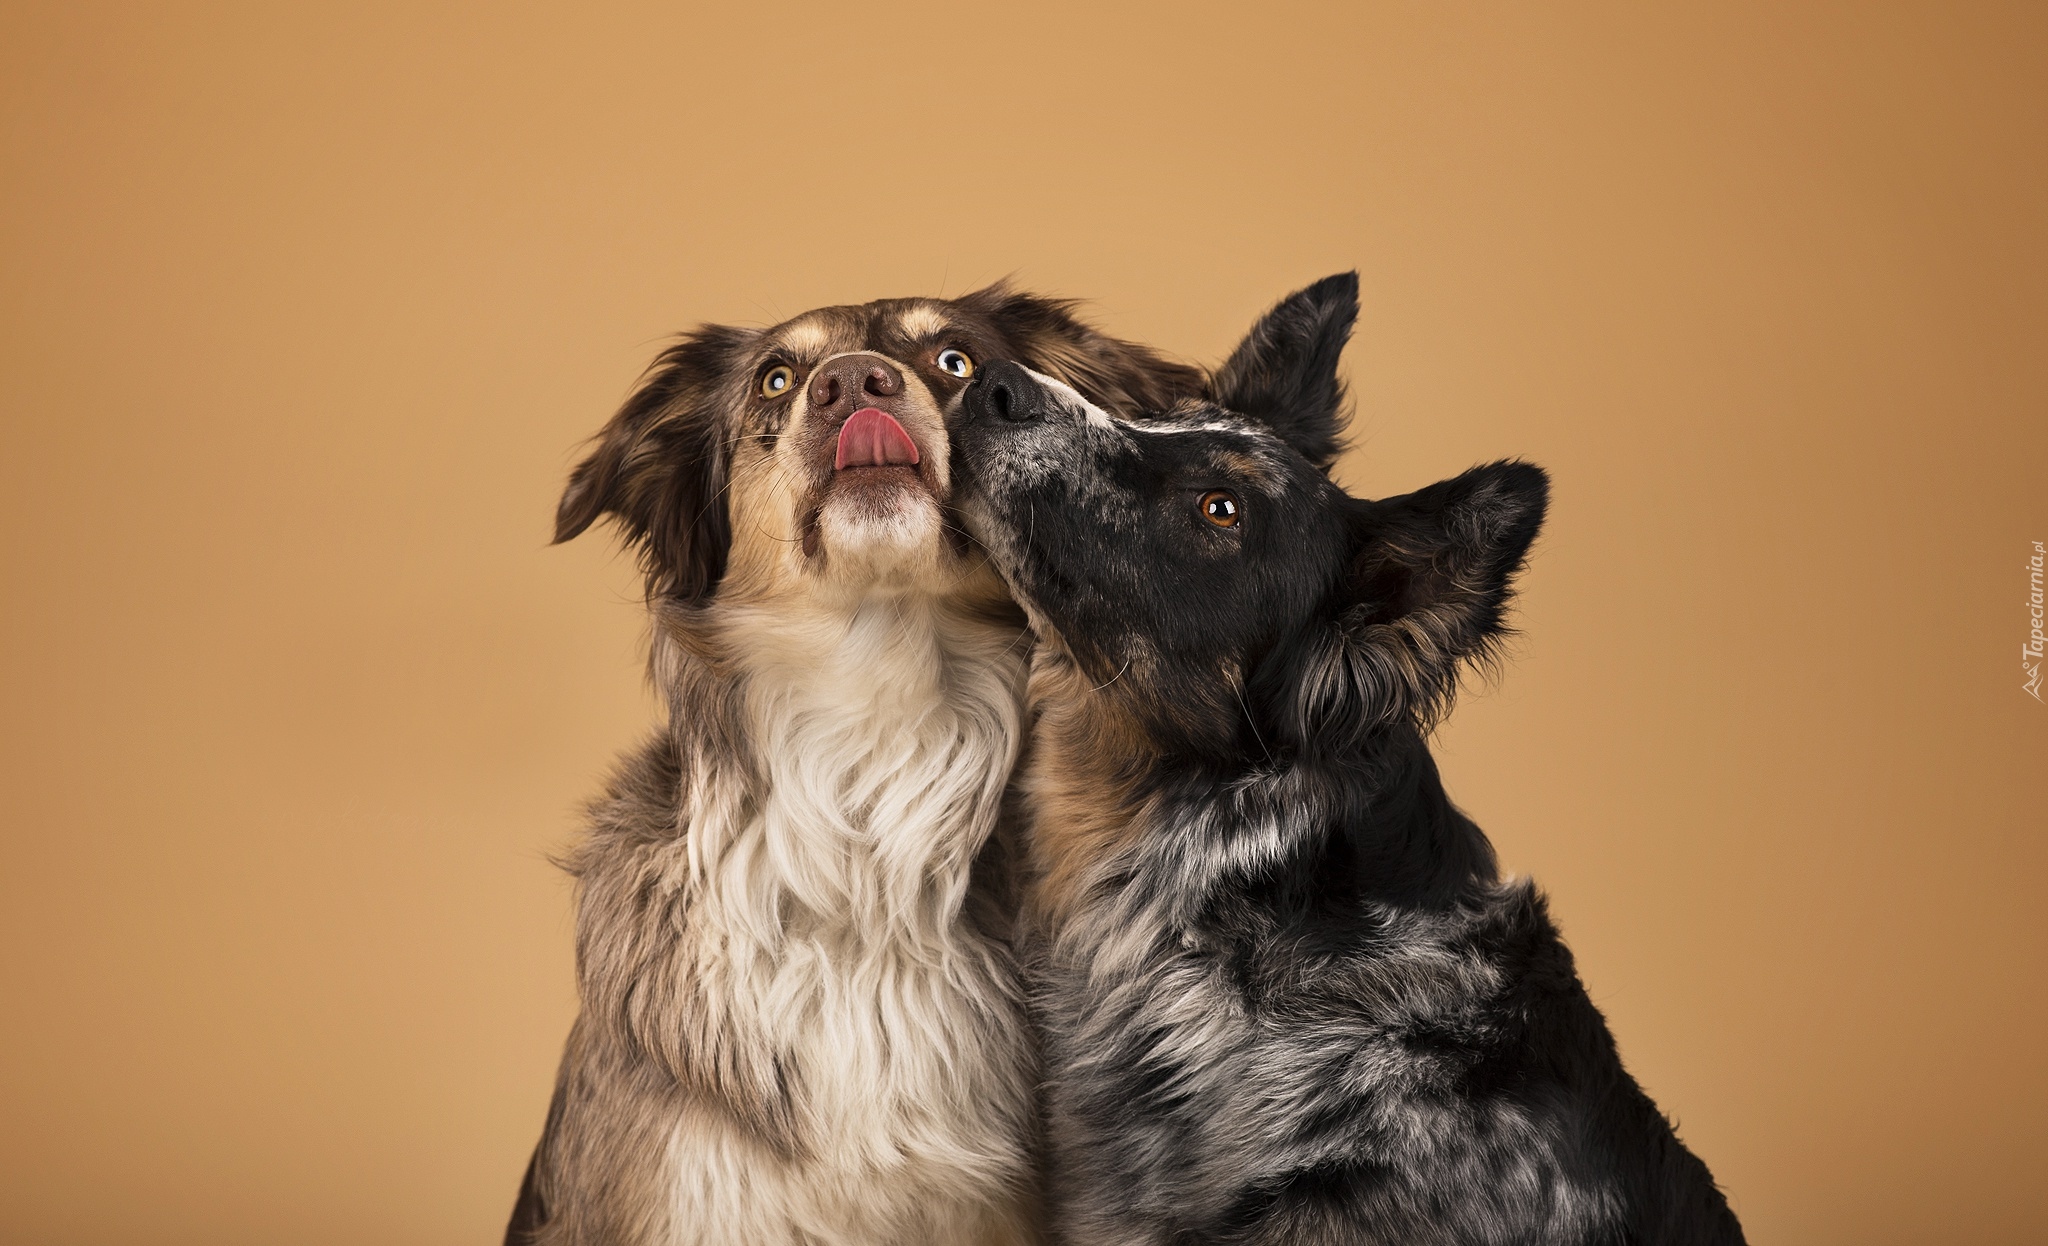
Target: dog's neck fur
pixel 1377 826
pixel 1393 828
pixel 880 732
pixel 830 853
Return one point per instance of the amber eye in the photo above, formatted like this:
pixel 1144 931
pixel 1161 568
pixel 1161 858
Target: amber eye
pixel 955 362
pixel 777 381
pixel 1220 508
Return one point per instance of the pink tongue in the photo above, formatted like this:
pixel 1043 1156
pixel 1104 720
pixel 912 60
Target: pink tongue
pixel 871 437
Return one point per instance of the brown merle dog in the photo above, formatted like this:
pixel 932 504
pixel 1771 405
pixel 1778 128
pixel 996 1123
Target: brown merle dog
pixel 800 1021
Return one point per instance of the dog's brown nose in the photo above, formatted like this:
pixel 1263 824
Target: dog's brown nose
pixel 844 385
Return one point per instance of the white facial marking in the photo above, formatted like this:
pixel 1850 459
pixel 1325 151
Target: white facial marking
pixel 1167 425
pixel 1095 415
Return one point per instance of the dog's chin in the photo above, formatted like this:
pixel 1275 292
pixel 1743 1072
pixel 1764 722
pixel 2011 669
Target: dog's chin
pixel 880 526
pixel 1002 541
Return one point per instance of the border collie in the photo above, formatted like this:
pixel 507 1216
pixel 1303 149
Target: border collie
pixel 800 1021
pixel 1285 995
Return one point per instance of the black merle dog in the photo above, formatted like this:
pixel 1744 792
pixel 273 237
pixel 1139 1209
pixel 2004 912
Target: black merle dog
pixel 1286 995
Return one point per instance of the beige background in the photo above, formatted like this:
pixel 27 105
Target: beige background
pixel 305 316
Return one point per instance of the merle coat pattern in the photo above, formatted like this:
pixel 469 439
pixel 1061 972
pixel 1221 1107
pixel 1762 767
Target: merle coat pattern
pixel 800 1022
pixel 1285 994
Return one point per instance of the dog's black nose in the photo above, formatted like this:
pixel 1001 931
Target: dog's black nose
pixel 1007 391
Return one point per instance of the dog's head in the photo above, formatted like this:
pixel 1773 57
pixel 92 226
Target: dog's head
pixel 1199 568
pixel 815 453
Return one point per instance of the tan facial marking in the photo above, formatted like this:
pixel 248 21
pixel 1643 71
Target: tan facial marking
pixel 1243 467
pixel 921 322
pixel 805 339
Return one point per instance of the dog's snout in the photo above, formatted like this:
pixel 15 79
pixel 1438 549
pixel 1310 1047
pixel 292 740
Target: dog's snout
pixel 1007 392
pixel 842 385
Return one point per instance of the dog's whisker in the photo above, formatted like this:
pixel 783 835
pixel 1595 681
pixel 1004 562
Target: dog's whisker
pixel 1113 678
pixel 1238 692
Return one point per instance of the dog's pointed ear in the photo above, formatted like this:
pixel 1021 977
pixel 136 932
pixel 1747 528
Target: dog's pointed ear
pixel 659 468
pixel 1122 377
pixel 1426 591
pixel 1285 370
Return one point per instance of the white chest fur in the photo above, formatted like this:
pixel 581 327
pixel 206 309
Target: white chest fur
pixel 829 917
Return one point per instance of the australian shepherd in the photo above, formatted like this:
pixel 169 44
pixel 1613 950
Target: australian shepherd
pixel 800 1021
pixel 1285 995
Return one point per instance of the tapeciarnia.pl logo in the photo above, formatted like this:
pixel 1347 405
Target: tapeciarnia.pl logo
pixel 2030 653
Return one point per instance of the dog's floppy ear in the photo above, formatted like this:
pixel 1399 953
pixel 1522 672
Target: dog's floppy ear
pixel 659 468
pixel 1426 590
pixel 1122 377
pixel 1285 370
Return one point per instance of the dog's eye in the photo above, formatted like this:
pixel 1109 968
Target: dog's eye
pixel 956 362
pixel 777 381
pixel 1220 507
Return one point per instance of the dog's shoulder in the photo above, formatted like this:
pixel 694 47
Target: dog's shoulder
pixel 640 806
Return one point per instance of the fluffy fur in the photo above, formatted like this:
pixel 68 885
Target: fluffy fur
pixel 800 1020
pixel 1285 995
